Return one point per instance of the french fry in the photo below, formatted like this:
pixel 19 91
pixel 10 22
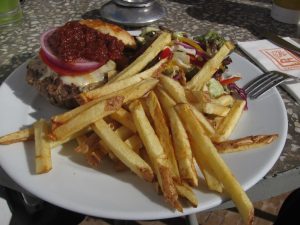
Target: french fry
pixel 156 154
pixel 177 92
pixel 184 190
pixel 145 156
pixel 111 74
pixel 180 139
pixel 122 151
pixel 199 97
pixel 56 143
pixel 162 132
pixel 216 121
pixel 130 93
pixel 135 143
pixel 94 154
pixel 82 146
pixel 141 89
pixel 57 120
pixel 85 143
pixel 224 100
pixel 43 162
pixel 202 97
pixel 124 117
pixel 146 109
pixel 192 96
pixel 215 109
pixel 123 133
pixel 120 84
pixel 94 157
pixel 210 177
pixel 135 91
pixel 173 88
pixel 207 150
pixel 89 147
pixel 210 131
pixel 245 143
pixel 26 134
pixel 82 100
pixel 106 149
pixel 113 124
pixel 210 67
pixel 228 124
pixel 151 52
pixel 87 117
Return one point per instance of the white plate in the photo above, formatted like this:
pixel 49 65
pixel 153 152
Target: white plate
pixel 73 185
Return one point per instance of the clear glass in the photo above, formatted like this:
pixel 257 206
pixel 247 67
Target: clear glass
pixel 10 12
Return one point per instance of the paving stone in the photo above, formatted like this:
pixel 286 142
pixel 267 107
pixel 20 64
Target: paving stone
pixel 269 207
pixel 232 218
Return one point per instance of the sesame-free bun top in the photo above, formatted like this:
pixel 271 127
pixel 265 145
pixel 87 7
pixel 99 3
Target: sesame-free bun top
pixel 111 29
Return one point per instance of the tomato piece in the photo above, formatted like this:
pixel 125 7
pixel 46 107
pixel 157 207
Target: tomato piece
pixel 166 53
pixel 229 80
pixel 196 62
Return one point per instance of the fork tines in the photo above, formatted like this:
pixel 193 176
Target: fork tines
pixel 264 82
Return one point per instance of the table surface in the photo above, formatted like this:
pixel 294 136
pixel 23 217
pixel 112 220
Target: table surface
pixel 235 19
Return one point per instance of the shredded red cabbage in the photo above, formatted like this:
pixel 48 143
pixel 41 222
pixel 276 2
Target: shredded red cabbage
pixel 239 91
pixel 187 46
pixel 184 45
pixel 176 77
pixel 201 44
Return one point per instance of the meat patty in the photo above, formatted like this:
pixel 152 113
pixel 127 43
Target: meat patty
pixel 49 84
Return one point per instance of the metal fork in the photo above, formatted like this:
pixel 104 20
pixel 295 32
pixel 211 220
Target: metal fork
pixel 264 82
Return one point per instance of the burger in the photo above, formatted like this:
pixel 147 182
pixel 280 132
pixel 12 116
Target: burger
pixel 83 55
pixel 77 57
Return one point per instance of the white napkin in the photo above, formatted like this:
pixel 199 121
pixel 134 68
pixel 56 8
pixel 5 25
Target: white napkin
pixel 272 57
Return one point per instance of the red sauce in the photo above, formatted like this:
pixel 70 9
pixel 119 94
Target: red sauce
pixel 74 42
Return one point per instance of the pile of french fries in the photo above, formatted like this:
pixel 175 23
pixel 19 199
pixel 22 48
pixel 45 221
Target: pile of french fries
pixel 160 130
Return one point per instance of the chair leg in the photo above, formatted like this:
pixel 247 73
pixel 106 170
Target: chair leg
pixel 192 219
pixel 289 212
pixel 29 210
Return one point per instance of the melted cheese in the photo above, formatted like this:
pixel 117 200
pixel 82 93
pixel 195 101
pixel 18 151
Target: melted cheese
pixel 82 81
pixel 92 77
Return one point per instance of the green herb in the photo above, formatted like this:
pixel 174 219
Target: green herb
pixel 212 41
pixel 215 89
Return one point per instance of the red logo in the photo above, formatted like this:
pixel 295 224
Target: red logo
pixel 283 59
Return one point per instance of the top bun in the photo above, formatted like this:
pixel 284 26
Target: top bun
pixel 111 29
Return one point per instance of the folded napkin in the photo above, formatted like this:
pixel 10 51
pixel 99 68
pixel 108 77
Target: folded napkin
pixel 272 57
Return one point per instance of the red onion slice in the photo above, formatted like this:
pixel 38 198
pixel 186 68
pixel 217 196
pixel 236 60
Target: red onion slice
pixel 187 46
pixel 81 65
